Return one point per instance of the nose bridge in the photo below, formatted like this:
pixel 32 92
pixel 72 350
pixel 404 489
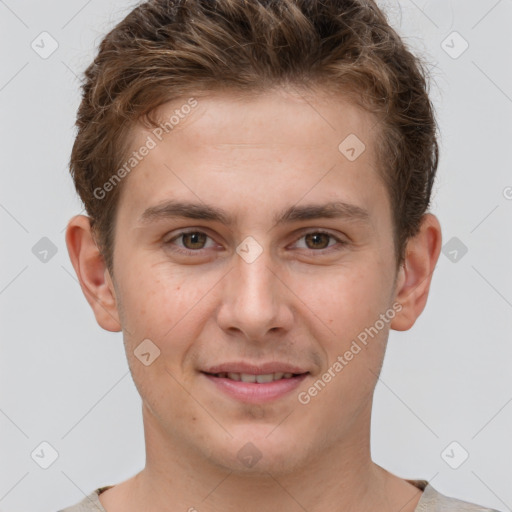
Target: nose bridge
pixel 253 300
pixel 256 282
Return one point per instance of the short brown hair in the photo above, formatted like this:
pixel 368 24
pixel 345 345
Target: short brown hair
pixel 169 49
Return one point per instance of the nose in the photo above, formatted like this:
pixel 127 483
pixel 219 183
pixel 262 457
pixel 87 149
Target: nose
pixel 255 298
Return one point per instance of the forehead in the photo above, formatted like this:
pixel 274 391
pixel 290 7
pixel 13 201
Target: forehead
pixel 319 118
pixel 252 143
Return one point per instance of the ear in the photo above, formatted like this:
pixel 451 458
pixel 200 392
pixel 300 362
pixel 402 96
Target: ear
pixel 92 273
pixel 415 274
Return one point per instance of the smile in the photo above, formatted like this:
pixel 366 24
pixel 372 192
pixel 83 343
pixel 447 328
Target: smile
pixel 248 377
pixel 257 389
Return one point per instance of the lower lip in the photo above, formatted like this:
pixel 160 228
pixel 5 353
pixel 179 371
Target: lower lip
pixel 253 392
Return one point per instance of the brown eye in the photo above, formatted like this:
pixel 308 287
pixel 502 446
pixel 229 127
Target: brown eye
pixel 191 243
pixel 193 240
pixel 320 242
pixel 317 240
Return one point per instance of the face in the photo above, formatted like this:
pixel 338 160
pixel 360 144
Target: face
pixel 228 253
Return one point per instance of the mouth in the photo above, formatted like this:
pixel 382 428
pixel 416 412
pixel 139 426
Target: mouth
pixel 255 378
pixel 255 388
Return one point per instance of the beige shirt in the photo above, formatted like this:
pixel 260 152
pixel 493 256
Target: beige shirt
pixel 430 501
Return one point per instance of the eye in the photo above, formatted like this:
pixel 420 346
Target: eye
pixel 196 241
pixel 193 241
pixel 319 240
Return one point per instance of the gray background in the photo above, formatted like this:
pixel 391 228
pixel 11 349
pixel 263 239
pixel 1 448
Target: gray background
pixel 65 381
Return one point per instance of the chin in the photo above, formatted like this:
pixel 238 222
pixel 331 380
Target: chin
pixel 259 450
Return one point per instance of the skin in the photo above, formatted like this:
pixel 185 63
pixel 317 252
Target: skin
pixel 300 301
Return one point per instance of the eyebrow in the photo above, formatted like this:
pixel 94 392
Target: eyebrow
pixel 331 210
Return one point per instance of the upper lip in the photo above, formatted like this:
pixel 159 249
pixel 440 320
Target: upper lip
pixel 255 369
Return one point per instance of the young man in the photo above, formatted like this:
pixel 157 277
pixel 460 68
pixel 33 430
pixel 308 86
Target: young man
pixel 257 176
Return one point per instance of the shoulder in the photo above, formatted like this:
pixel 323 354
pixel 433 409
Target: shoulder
pixel 434 501
pixel 90 503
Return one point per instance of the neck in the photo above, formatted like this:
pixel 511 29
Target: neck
pixel 178 477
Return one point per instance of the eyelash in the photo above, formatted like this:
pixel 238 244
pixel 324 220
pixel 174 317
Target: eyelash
pixel 341 242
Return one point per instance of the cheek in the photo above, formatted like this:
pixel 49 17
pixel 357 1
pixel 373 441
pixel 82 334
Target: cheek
pixel 161 305
pixel 346 310
pixel 152 301
pixel 345 300
pixel 167 311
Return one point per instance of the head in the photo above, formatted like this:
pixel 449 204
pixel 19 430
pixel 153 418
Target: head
pixel 170 50
pixel 264 110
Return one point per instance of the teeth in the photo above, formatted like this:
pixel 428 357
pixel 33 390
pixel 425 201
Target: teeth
pixel 247 377
pixel 265 378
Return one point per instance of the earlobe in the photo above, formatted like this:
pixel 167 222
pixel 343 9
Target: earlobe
pixel 415 275
pixel 92 274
